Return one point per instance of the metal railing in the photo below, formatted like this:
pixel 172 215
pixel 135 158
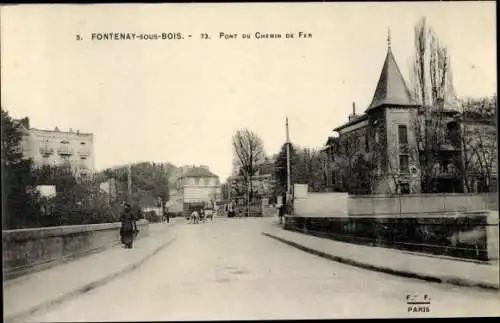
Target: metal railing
pixel 405 234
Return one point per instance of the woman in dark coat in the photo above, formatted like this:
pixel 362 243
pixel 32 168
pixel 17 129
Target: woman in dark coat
pixel 127 229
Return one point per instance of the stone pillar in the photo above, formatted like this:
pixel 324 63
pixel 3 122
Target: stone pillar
pixel 492 235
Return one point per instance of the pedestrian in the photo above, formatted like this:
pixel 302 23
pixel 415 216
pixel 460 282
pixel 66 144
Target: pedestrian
pixel 202 215
pixel 128 226
pixel 167 215
pixel 230 210
pixel 216 209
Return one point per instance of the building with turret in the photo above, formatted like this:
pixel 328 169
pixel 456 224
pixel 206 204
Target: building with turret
pixel 396 146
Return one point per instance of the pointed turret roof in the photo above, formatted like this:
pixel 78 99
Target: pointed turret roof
pixel 391 88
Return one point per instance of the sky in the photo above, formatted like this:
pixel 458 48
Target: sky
pixel 180 101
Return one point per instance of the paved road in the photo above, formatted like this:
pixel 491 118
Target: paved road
pixel 228 270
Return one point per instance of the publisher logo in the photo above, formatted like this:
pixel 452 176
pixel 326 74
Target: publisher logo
pixel 418 303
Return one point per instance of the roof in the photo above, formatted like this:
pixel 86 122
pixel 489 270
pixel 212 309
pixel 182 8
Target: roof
pixel 331 140
pixel 351 122
pixel 198 172
pixel 391 88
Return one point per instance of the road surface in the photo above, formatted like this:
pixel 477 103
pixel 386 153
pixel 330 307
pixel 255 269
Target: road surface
pixel 229 270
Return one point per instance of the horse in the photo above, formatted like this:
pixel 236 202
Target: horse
pixel 209 213
pixel 194 217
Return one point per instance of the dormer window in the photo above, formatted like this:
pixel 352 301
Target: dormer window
pixel 82 143
pixel 64 142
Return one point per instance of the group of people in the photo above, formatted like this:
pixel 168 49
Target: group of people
pixel 203 214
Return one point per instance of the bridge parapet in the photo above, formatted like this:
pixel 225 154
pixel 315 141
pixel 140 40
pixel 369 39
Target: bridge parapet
pixel 28 250
pixel 473 235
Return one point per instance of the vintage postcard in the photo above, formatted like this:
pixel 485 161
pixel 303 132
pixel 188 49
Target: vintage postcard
pixel 249 161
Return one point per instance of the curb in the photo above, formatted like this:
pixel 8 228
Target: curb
pixel 443 280
pixel 87 287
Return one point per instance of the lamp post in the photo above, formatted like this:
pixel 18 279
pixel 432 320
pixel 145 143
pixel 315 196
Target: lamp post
pixel 288 175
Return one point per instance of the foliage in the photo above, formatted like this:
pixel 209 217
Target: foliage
pixel 76 202
pixel 248 150
pixel 306 167
pixel 478 142
pixel 19 200
pixel 280 166
pixel 150 181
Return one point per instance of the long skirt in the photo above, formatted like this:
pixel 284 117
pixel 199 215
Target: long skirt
pixel 127 234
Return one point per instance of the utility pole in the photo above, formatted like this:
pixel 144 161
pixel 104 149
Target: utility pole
pixel 288 178
pixel 129 182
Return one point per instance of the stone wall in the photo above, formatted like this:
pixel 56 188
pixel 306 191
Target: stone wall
pixel 331 204
pixel 340 204
pixel 420 204
pixel 29 250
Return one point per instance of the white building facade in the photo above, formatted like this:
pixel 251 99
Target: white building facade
pixel 59 148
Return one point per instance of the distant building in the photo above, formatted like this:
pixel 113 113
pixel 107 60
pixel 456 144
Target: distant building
pixel 196 185
pixel 263 182
pixel 58 148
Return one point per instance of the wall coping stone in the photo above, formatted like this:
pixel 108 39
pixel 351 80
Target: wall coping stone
pixel 44 232
pixel 375 196
pixel 490 215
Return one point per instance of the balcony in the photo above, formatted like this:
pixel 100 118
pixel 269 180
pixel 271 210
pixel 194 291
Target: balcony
pixel 46 151
pixel 65 151
pixel 82 166
pixel 83 152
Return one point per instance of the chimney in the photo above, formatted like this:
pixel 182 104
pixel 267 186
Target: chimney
pixel 77 131
pixel 70 129
pixel 25 122
pixel 56 129
pixel 353 115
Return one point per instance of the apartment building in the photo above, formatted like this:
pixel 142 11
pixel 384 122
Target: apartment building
pixel 59 148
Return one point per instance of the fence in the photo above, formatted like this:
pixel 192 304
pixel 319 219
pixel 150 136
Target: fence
pixel 472 235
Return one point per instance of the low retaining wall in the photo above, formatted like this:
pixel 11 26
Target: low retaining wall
pixel 334 204
pixel 420 203
pixel 29 250
pixel 318 205
pixel 472 235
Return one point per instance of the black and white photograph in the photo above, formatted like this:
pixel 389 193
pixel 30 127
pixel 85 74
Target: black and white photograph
pixel 249 161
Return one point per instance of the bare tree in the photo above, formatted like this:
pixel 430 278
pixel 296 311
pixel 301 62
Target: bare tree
pixel 478 142
pixel 311 168
pixel 248 150
pixel 432 88
pixel 430 72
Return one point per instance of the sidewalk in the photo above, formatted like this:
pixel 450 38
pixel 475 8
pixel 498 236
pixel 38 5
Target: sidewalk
pixel 25 295
pixel 392 261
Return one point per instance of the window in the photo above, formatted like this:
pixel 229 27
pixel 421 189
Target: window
pixel 404 166
pixel 403 135
pixel 82 143
pixel 404 188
